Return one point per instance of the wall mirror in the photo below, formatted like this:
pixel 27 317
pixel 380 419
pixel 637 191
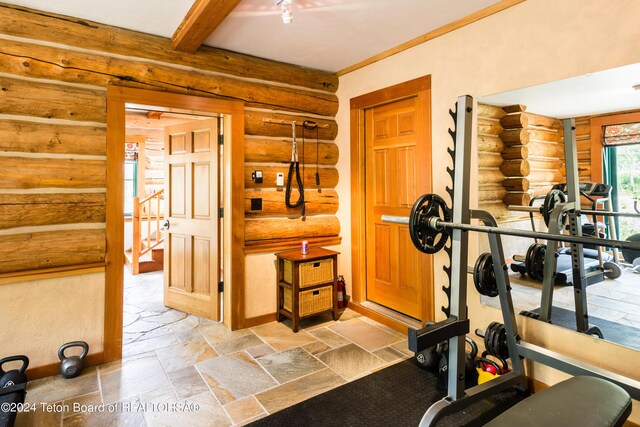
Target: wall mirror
pixel 521 148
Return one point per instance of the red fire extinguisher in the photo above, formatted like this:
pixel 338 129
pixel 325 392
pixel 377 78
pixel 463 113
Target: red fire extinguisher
pixel 341 291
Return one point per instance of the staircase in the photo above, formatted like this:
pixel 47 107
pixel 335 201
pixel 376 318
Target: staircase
pixel 146 254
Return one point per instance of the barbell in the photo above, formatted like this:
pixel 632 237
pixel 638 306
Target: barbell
pixel 430 224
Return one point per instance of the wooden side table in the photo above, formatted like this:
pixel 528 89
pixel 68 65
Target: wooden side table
pixel 307 284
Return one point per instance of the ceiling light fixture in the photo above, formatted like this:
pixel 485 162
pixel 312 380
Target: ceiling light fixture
pixel 286 7
pixel 636 87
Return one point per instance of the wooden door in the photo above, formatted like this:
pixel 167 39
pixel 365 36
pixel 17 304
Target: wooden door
pixel 192 262
pixel 398 170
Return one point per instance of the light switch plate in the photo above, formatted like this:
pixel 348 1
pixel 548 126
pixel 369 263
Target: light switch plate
pixel 280 179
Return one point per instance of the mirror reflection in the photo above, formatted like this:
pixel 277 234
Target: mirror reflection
pixel 527 161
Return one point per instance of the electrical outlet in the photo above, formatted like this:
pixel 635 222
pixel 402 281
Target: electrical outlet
pixel 280 179
pixel 256 204
pixel 257 176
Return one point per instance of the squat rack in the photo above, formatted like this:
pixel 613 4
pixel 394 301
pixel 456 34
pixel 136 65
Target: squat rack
pixel 427 226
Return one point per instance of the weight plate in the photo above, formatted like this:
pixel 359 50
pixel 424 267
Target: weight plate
pixel 425 238
pixel 553 198
pixel 539 254
pixel 612 270
pixel 528 261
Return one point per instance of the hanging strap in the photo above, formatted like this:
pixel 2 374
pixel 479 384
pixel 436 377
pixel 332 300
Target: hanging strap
pixel 295 164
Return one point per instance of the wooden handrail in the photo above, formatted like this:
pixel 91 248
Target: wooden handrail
pixel 142 212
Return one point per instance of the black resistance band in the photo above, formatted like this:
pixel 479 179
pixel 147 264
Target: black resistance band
pixel 295 164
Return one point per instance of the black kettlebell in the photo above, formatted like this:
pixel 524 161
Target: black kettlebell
pixel 14 376
pixel 72 366
pixel 470 372
pixel 428 359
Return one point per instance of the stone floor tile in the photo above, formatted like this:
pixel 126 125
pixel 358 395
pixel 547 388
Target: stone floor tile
pixel 56 389
pixel 298 390
pixel 389 354
pixel 204 411
pixel 261 350
pixel 183 355
pixel 142 346
pixel 329 337
pixel 244 409
pixel 238 344
pixel 316 348
pixel 129 377
pixel 124 414
pixel 280 337
pixel 290 364
pixel 219 332
pixel 365 335
pixel 81 404
pixel 187 382
pixel 234 376
pixel 350 360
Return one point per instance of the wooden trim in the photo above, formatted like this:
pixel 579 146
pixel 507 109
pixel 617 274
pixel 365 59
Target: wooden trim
pixel 596 134
pixel 421 88
pixel 44 371
pixel 117 98
pixel 469 19
pixel 201 20
pixel 51 273
pixel 259 320
pixel 286 244
pixel 380 318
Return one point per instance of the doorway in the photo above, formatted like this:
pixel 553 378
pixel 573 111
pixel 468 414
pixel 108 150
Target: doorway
pixel 390 169
pixel 183 202
pixel 160 299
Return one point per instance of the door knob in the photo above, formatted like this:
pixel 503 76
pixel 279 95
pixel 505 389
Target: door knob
pixel 166 224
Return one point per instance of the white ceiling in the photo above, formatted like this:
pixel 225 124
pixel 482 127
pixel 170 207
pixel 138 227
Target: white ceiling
pixel 325 34
pixel 594 93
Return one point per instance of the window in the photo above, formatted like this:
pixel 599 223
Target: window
pixel 130 185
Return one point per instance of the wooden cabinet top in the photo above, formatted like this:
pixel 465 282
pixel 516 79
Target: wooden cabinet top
pixel 314 253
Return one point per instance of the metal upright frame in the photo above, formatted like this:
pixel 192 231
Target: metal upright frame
pixel 457 325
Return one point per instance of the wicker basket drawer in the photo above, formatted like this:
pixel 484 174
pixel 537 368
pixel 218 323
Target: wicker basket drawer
pixel 311 273
pixel 311 301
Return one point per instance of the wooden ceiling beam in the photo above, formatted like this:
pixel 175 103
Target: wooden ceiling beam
pixel 201 20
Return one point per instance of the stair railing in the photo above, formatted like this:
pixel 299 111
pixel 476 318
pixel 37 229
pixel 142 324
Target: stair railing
pixel 142 212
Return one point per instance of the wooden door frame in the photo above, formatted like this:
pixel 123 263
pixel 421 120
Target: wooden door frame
pixel 420 87
pixel 234 262
pixel 596 124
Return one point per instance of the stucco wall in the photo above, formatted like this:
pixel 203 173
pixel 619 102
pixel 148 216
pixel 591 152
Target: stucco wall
pixel 74 304
pixel 535 42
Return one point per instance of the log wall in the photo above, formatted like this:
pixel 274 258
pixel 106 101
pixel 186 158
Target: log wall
pixel 521 155
pixel 53 76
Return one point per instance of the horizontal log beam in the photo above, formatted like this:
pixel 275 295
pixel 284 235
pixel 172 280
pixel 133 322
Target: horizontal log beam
pixel 497 209
pixel 80 67
pixel 515 121
pixel 490 111
pixel 31 251
pixel 28 98
pixel 543 121
pixel 22 210
pixel 328 176
pixel 517 198
pixel 279 151
pixel 517 108
pixel 491 194
pixel 516 184
pixel 517 136
pixel 490 143
pixel 516 152
pixel 489 160
pixel 489 127
pixel 277 124
pixel 490 176
pixel 541 149
pixel 538 176
pixel 29 137
pixel 33 24
pixel 291 228
pixel 273 203
pixel 515 168
pixel 26 172
pixel 545 163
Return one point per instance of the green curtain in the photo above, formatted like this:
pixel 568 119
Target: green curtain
pixel 610 174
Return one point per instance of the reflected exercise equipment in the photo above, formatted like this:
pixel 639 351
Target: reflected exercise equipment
pixel 431 224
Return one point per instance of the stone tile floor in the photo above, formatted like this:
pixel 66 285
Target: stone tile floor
pixel 174 363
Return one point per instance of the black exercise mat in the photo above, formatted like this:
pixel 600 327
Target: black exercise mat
pixel 396 396
pixel 625 335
